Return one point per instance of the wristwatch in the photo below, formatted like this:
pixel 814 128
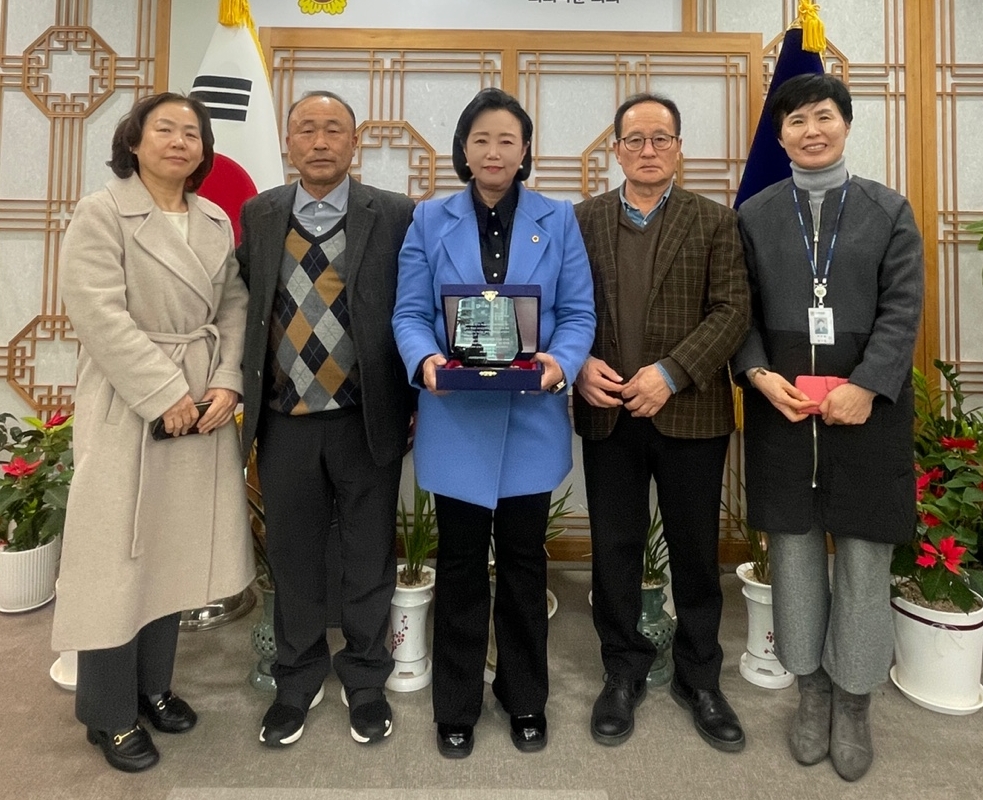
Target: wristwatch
pixel 753 373
pixel 556 388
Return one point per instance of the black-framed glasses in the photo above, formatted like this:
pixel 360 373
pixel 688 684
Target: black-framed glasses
pixel 635 142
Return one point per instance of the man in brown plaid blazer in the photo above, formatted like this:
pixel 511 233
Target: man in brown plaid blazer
pixel 654 402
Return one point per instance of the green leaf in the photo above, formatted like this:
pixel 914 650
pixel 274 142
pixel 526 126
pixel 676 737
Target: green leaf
pixel 960 594
pixel 976 227
pixel 7 500
pixel 57 496
pixel 558 511
pixel 973 494
pixel 933 584
pixel 419 535
pixel 903 562
pixel 975 579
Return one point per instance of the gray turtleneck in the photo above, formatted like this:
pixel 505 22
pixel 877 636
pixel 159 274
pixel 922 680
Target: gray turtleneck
pixel 818 181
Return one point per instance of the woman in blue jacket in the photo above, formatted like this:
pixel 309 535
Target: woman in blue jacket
pixel 492 458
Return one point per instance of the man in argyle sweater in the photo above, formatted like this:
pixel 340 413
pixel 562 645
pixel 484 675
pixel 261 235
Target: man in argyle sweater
pixel 327 400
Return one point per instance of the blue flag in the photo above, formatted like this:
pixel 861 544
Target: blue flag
pixel 766 161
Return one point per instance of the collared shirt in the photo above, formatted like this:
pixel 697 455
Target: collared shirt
pixel 495 232
pixel 634 214
pixel 320 216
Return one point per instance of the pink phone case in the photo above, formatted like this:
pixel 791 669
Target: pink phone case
pixel 817 387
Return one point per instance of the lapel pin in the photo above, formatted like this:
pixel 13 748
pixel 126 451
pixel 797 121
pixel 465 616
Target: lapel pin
pixel 535 239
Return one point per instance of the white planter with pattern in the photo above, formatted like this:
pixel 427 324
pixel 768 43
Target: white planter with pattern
pixel 938 656
pixel 408 618
pixel 27 577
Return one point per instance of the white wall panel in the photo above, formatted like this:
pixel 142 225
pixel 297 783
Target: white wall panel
pixel 24 140
pixel 567 15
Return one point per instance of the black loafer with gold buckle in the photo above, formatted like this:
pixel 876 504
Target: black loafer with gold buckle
pixel 167 712
pixel 129 750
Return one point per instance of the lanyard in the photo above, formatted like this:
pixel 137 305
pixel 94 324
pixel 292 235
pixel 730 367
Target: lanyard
pixel 819 281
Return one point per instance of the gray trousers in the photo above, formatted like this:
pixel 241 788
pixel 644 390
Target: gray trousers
pixel 109 680
pixel 846 628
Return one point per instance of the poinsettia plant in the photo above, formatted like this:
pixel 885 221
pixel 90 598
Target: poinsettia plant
pixel 941 562
pixel 34 479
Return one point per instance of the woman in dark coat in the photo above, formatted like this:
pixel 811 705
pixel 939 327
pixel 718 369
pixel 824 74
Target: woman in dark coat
pixel 835 267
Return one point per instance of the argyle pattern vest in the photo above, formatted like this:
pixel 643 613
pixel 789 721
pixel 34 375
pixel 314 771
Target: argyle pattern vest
pixel 311 360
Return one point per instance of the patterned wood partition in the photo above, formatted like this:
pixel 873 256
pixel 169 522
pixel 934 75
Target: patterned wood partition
pixel 70 68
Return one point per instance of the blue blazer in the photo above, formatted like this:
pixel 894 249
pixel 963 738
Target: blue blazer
pixel 479 446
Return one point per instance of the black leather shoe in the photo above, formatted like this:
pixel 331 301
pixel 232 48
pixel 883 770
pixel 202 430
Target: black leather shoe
pixel 167 712
pixel 455 741
pixel 613 718
pixel 713 717
pixel 283 724
pixel 129 750
pixel 529 732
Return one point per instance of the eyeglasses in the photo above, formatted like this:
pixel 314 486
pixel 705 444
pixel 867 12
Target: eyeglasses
pixel 661 141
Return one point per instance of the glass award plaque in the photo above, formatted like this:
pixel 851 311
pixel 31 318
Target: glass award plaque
pixel 486 331
pixel 492 336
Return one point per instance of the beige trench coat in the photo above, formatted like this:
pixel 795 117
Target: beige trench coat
pixel 152 527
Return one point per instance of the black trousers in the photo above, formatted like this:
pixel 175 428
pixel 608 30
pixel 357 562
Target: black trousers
pixel 688 475
pixel 108 681
pixel 307 465
pixel 462 600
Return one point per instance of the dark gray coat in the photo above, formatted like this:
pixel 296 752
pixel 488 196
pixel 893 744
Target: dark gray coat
pixel 864 473
pixel 376 224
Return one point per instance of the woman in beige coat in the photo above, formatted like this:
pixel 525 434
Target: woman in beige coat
pixel 152 288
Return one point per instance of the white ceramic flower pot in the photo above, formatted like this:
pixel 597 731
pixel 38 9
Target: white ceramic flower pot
pixel 64 671
pixel 760 665
pixel 938 657
pixel 408 617
pixel 27 577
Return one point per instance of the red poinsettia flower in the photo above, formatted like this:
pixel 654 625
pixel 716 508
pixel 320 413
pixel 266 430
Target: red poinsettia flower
pixel 930 520
pixel 925 479
pixel 18 468
pixel 927 557
pixel 57 419
pixel 952 443
pixel 952 553
pixel 948 554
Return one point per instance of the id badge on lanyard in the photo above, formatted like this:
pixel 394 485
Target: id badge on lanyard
pixel 820 316
pixel 821 325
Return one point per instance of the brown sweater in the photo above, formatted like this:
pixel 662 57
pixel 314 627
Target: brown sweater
pixel 636 257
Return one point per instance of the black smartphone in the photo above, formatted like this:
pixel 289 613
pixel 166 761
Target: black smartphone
pixel 158 433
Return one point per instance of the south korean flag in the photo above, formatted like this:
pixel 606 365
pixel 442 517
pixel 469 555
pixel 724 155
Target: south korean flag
pixel 233 85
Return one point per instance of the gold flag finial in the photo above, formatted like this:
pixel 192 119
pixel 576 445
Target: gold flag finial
pixel 235 14
pixel 813 31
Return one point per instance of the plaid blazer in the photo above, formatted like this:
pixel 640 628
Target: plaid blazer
pixel 699 310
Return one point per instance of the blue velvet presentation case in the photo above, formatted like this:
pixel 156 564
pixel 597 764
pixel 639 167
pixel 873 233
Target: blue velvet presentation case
pixel 523 374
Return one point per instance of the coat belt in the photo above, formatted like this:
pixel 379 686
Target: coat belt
pixel 182 341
